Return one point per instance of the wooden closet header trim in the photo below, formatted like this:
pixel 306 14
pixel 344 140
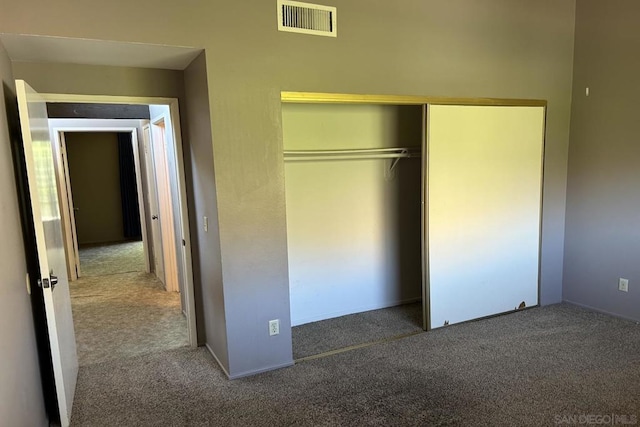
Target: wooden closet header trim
pixel 345 98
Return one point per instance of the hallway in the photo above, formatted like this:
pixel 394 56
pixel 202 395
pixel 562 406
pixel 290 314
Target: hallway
pixel 122 314
pixel 100 260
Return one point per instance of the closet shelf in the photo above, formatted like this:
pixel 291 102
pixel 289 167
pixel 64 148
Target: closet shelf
pixel 359 154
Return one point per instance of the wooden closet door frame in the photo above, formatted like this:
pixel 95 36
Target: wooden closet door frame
pixel 426 295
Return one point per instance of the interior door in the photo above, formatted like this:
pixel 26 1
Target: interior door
pixel 49 242
pixel 67 210
pixel 163 191
pixel 156 235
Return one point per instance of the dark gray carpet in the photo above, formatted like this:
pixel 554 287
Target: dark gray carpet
pixel 333 334
pixel 536 367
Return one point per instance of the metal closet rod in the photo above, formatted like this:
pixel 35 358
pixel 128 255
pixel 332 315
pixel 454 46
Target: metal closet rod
pixel 354 154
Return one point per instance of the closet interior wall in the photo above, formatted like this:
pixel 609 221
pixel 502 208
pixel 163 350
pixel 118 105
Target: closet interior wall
pixel 354 226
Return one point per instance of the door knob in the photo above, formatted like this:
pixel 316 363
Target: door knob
pixel 51 281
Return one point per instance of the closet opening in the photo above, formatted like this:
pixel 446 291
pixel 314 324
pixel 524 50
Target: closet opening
pixel 353 176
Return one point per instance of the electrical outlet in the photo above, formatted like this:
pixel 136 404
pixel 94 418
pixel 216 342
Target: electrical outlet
pixel 274 327
pixel 623 285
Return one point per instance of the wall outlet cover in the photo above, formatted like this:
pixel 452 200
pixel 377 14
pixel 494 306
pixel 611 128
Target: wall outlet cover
pixel 623 285
pixel 274 327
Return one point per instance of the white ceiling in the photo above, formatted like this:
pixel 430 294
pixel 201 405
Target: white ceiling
pixel 96 52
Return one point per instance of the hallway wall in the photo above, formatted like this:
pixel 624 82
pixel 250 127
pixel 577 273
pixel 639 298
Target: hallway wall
pixel 94 172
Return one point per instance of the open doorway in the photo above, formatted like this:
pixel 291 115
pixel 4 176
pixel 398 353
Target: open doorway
pixel 123 305
pixel 106 203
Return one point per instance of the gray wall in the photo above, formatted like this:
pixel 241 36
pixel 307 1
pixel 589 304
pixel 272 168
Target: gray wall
pixel 21 399
pixel 468 48
pixel 94 172
pixel 603 200
pixel 206 260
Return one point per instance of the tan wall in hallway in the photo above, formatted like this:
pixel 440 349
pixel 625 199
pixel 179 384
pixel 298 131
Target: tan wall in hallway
pixel 95 185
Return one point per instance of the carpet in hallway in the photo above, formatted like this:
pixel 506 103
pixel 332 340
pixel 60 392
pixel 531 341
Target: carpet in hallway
pixel 124 315
pixel 112 258
pixel 535 367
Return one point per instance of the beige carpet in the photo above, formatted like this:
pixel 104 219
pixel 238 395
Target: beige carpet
pixel 112 258
pixel 123 315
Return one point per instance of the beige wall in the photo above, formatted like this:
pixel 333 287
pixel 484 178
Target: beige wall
pixel 470 48
pixel 99 80
pixel 21 398
pixel 94 172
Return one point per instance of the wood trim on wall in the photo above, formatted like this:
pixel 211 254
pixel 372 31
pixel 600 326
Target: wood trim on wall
pixel 344 98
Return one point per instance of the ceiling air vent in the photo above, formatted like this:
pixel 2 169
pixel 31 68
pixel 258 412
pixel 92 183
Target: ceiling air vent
pixel 307 18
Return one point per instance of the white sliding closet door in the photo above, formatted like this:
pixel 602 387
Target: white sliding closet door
pixel 484 169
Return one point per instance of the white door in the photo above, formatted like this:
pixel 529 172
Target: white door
pixel 156 235
pixel 163 189
pixel 49 243
pixel 484 167
pixel 67 210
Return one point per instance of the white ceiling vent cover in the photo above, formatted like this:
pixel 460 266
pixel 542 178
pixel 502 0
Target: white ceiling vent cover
pixel 307 18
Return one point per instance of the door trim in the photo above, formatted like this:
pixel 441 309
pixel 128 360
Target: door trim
pixel 351 98
pixel 426 291
pixel 166 204
pixel 66 204
pixel 157 260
